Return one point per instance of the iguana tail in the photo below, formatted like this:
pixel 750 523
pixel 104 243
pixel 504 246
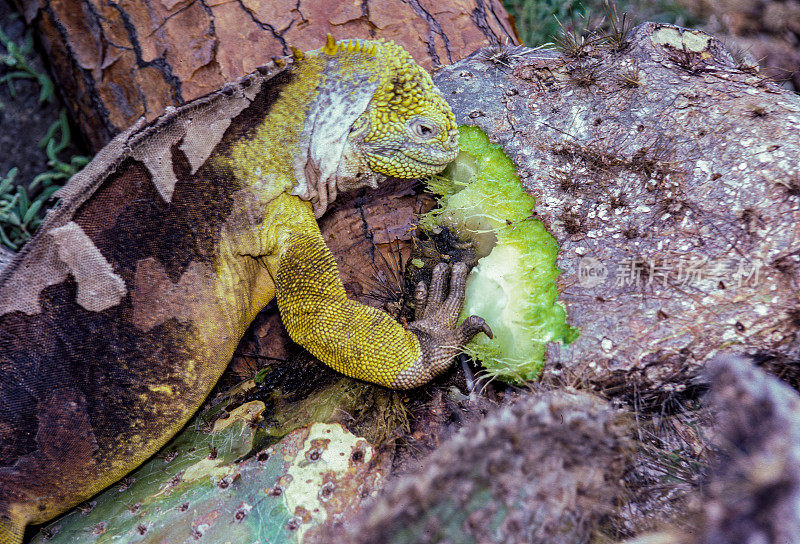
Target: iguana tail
pixel 12 525
pixel 11 531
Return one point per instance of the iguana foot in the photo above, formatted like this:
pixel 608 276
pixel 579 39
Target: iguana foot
pixel 436 315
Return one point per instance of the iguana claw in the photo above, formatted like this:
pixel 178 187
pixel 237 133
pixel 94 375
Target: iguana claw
pixel 435 325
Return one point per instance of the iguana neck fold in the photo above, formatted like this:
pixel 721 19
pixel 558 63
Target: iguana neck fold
pixel 300 144
pixel 342 123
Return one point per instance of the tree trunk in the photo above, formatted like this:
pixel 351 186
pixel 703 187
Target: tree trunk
pixel 117 61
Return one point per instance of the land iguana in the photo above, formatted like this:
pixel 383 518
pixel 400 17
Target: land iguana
pixel 118 318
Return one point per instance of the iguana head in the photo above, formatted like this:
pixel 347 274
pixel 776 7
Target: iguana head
pixel 408 130
pixel 376 113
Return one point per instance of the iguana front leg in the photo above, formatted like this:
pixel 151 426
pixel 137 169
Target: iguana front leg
pixel 361 341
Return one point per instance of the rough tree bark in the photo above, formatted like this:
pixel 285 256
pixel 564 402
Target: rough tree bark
pixel 117 61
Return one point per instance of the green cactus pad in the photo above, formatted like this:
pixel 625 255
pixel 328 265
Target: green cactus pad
pixel 208 486
pixel 513 287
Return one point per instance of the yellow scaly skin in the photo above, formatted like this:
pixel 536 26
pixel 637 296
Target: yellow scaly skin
pixel 407 131
pixel 351 113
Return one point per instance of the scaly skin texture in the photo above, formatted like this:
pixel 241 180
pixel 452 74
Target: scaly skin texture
pixel 119 317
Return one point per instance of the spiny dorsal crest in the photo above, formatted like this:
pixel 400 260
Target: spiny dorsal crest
pixel 333 48
pixel 403 84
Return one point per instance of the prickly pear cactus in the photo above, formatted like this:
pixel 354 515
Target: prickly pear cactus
pixel 208 486
pixel 513 286
pixel 668 176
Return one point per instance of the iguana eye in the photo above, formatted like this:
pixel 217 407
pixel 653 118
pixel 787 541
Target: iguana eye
pixel 423 130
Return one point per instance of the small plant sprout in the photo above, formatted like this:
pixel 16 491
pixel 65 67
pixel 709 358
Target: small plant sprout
pixel 23 202
pixel 16 60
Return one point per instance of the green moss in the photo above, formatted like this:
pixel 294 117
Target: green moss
pixel 513 287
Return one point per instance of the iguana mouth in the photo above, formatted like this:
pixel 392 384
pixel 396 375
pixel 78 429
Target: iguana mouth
pixel 432 163
pixel 437 163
